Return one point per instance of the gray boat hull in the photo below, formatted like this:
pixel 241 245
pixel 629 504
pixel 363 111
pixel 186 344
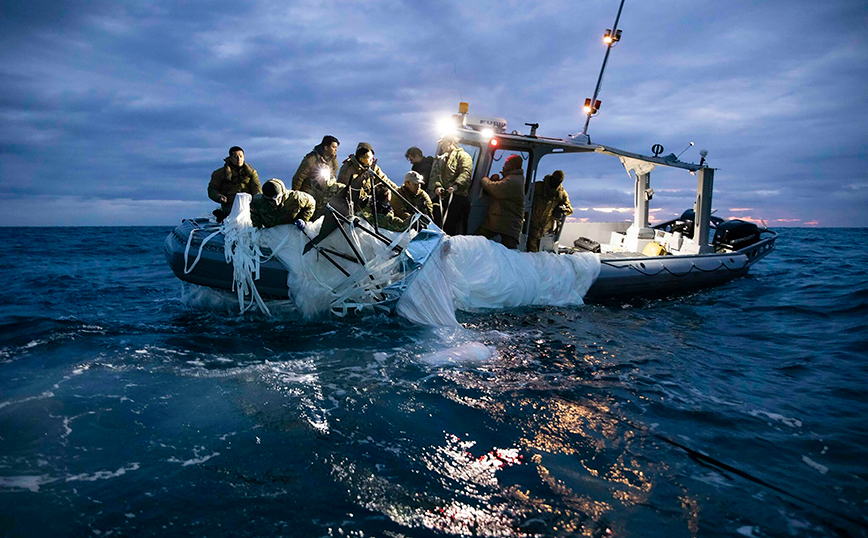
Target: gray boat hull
pixel 212 270
pixel 620 277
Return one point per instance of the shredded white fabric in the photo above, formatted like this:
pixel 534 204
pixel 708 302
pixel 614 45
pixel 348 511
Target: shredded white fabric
pixel 465 273
pixel 241 248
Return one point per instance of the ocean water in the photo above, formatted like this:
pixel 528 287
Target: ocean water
pixel 133 405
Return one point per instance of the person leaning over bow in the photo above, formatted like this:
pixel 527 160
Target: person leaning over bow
pixel 506 210
pixel 450 182
pixel 235 176
pixel 277 205
pixel 413 193
pixel 550 202
pixel 352 172
pixel 421 164
pixel 320 163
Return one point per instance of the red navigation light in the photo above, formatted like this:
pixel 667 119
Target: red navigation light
pixel 493 142
pixel 591 109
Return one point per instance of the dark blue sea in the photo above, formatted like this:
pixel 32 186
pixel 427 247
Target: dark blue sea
pixel 131 405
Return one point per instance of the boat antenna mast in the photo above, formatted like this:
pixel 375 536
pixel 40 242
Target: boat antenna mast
pixel 612 36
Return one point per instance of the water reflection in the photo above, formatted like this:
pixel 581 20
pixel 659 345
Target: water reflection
pixel 587 461
pixel 469 498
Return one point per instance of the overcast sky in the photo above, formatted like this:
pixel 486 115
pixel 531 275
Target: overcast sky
pixel 116 113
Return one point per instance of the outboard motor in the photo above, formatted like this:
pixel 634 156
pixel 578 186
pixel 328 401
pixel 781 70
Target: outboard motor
pixel 685 223
pixel 735 234
pixel 684 227
pixel 691 216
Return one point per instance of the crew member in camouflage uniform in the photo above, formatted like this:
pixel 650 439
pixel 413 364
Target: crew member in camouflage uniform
pixel 550 203
pixel 277 205
pixel 412 191
pixel 352 173
pixel 506 210
pixel 450 183
pixel 322 191
pixel 386 218
pixel 235 176
pixel 321 163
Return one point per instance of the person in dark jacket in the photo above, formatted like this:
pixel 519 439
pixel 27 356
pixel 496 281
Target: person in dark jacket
pixel 450 184
pixel 550 203
pixel 413 193
pixel 506 210
pixel 421 164
pixel 234 177
pixel 277 205
pixel 321 163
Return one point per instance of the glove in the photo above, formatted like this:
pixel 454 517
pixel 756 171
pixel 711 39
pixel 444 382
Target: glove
pixel 299 224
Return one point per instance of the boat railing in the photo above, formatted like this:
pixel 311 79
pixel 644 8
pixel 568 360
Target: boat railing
pixel 761 248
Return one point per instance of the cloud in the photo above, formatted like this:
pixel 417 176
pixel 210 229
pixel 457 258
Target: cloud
pixel 117 102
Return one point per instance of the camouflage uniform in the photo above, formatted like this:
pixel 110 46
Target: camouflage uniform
pixel 295 205
pixel 452 170
pixel 313 163
pixel 322 193
pixel 351 174
pixel 229 181
pixel 547 202
pixel 386 221
pixel 420 201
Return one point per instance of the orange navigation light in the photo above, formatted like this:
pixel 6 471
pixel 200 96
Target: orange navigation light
pixel 463 107
pixel 587 108
pixel 611 37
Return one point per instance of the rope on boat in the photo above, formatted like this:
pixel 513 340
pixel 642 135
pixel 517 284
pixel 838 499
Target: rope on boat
pixel 444 213
pixel 666 269
pixel 187 270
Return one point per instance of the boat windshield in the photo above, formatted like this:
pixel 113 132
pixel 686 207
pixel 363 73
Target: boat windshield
pixel 473 150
